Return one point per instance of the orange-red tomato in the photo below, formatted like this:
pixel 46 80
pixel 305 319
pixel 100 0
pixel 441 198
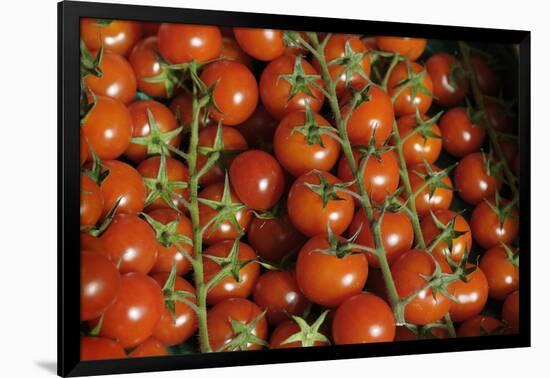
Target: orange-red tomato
pixel 406 101
pixel 460 136
pixel 283 331
pixel 510 312
pixel 146 66
pixel 90 243
pixel 117 36
pixel 412 48
pixel 472 295
pixel 473 181
pixel 100 348
pixel 84 149
pixel 262 44
pixel 440 199
pixel 117 80
pixel 480 326
pixel 416 147
pixel 91 202
pixel 502 274
pixel 232 51
pixel 446 92
pixel 149 28
pixel 488 230
pixel 182 43
pixel 149 348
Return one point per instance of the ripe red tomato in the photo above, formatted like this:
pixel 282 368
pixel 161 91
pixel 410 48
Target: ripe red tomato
pixel 473 181
pixel 274 239
pixel 149 348
pixel 146 66
pixel 395 229
pixel 164 120
pixel 130 243
pixel 91 202
pixel 258 179
pixel 225 231
pixel 232 51
pixel 229 287
pixel 403 333
pixel 510 312
pixel 279 294
pixel 108 128
pixel 374 116
pixel 258 129
pixel 406 101
pixel 117 81
pixel 172 330
pixel 123 182
pixel 306 210
pixel 168 252
pixel 509 148
pixel 326 279
pixel 480 326
pixel 499 117
pixel 448 91
pixel 335 48
pixel 440 199
pixel 459 245
pixel 117 36
pixel 380 177
pixel 134 314
pixel 460 136
pixel 182 43
pixel 283 331
pixel 99 283
pixel 412 48
pixel 262 44
pixel 471 295
pixel 488 230
pixel 298 155
pixel 84 149
pixel 407 271
pixel 220 330
pixel 417 148
pixel 276 91
pixel 90 243
pixel 175 171
pixel 484 75
pixel 235 93
pixel 100 348
pixel 502 274
pixel 363 318
pixel 149 28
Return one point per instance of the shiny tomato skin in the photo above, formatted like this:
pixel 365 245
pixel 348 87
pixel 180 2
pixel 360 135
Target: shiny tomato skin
pixel 487 229
pixel 510 312
pixel 278 293
pixel 176 171
pixel 125 182
pixel 479 326
pixel 84 149
pixel 372 116
pixel 405 103
pixel 118 80
pixel 396 232
pixel 118 36
pixel 225 231
pixel 169 330
pixel 293 151
pixel 380 177
pixel 326 279
pixel 283 331
pixel 100 348
pixel 233 142
pixel 472 296
pixel 236 91
pixel 130 243
pixel 90 243
pixel 99 283
pixel 228 287
pixel 258 129
pixel 108 128
pixel 305 207
pixel 275 90
pixel 274 239
pixel 460 244
pixel 164 120
pixel 91 202
pixel 145 65
pixel 406 270
pixel 167 255
pixel 446 93
pixel 182 43
pixel 363 318
pixel 502 275
pixel 441 198
pixel 232 51
pixel 484 75
pixel 149 348
pixel 262 44
pixel 460 136
pixel 220 331
pixel 472 181
pixel 416 148
pixel 258 179
pixel 134 314
pixel 412 48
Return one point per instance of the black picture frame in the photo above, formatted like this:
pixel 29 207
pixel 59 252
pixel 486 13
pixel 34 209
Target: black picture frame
pixel 69 14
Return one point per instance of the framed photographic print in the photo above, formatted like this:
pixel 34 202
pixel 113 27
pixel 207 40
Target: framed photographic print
pixel 259 188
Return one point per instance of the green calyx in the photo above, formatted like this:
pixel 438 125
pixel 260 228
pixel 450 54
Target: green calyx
pixel 513 257
pixel 231 263
pixel 312 131
pixel 244 335
pixel 435 179
pixel 341 247
pixel 457 74
pixel 308 334
pixel 351 63
pixel 161 187
pixel 414 81
pixel 475 116
pixel 447 232
pixel 503 211
pixel 172 295
pixel 299 81
pixel 89 65
pixel 167 234
pixel 98 172
pixel 157 142
pixel 327 192
pixel 424 127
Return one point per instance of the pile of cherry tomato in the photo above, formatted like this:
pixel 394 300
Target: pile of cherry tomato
pixel 255 188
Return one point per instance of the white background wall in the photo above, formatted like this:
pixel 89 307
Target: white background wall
pixel 28 186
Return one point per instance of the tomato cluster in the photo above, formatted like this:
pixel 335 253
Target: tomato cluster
pixel 253 188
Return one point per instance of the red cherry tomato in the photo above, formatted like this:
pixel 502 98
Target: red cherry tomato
pixel 502 273
pixel 440 199
pixel 460 136
pixel 123 182
pixel 498 116
pixel 232 51
pixel 130 243
pixel 149 28
pixel 416 147
pixel 484 75
pixel 480 326
pixel 146 66
pixel 182 43
pixel 100 348
pixel 283 331
pixel 473 181
pixel 363 318
pixel 326 279
pixel 117 81
pixel 262 44
pixel 91 202
pixel 99 283
pixel 90 243
pixel 471 295
pixel 406 101
pixel 488 230
pixel 117 36
pixel 448 90
pixel 306 210
pixel 258 129
pixel 84 149
pixel 510 312
pixel 149 348
pixel 412 48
